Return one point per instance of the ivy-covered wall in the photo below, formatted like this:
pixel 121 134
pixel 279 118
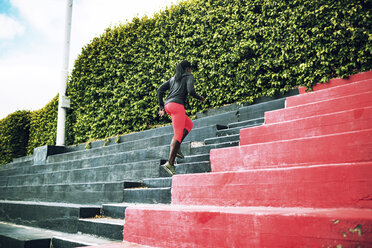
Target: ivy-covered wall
pixel 14 135
pixel 43 126
pixel 243 49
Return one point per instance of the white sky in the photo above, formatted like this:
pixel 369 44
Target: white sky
pixel 31 43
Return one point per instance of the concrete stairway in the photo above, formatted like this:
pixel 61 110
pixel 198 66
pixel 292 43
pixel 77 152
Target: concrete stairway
pixel 303 179
pixel 79 196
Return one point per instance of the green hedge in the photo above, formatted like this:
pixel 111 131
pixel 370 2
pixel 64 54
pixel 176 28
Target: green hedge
pixel 43 126
pixel 243 49
pixel 14 134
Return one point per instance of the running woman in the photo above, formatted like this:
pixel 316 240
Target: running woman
pixel 179 87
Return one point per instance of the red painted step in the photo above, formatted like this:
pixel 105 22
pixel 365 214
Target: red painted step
pixel 319 108
pixel 339 91
pixel 213 227
pixel 351 120
pixel 347 147
pixel 325 186
pixel 339 81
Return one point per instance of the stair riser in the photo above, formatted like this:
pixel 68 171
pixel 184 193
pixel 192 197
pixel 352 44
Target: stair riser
pixel 51 217
pixel 231 138
pixel 316 96
pixel 234 131
pixel 320 108
pixel 351 120
pixel 109 231
pixel 191 168
pixel 339 148
pixel 191 159
pixel 100 174
pixel 81 193
pixel 157 182
pixel 153 196
pixel 319 187
pixel 247 123
pixel 206 229
pixel 117 160
pixel 114 211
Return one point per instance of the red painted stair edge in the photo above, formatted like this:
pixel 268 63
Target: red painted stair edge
pixel 339 81
pixel 330 123
pixel 346 147
pixel 322 186
pixel 319 108
pixel 329 93
pixel 210 226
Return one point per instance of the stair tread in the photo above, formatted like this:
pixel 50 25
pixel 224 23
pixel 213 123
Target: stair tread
pixel 150 189
pixel 53 204
pixel 123 244
pixel 261 210
pixel 22 232
pixel 110 221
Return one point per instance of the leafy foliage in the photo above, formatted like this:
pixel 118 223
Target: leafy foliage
pixel 243 50
pixel 43 126
pixel 14 134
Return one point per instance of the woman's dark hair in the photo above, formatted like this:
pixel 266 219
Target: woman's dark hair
pixel 181 69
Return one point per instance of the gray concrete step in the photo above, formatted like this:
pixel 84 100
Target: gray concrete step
pixel 197 134
pixel 193 167
pixel 193 158
pixel 144 154
pixel 152 153
pixel 247 123
pixel 235 130
pixel 206 148
pixel 13 236
pixel 15 165
pixel 103 227
pixel 157 182
pixel 223 139
pixel 124 138
pixel 82 193
pixel 147 195
pixel 258 110
pixel 115 210
pixel 16 236
pixel 55 216
pixel 105 173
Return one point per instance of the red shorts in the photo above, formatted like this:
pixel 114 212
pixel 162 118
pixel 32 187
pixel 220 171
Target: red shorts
pixel 180 121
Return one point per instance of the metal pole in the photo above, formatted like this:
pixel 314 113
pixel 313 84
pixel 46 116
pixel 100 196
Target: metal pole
pixel 64 102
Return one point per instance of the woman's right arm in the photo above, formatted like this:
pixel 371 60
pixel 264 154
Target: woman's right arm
pixel 191 90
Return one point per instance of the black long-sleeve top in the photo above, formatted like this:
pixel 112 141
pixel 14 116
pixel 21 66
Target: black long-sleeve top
pixel 178 91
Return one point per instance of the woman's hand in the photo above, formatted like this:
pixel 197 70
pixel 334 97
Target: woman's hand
pixel 161 113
